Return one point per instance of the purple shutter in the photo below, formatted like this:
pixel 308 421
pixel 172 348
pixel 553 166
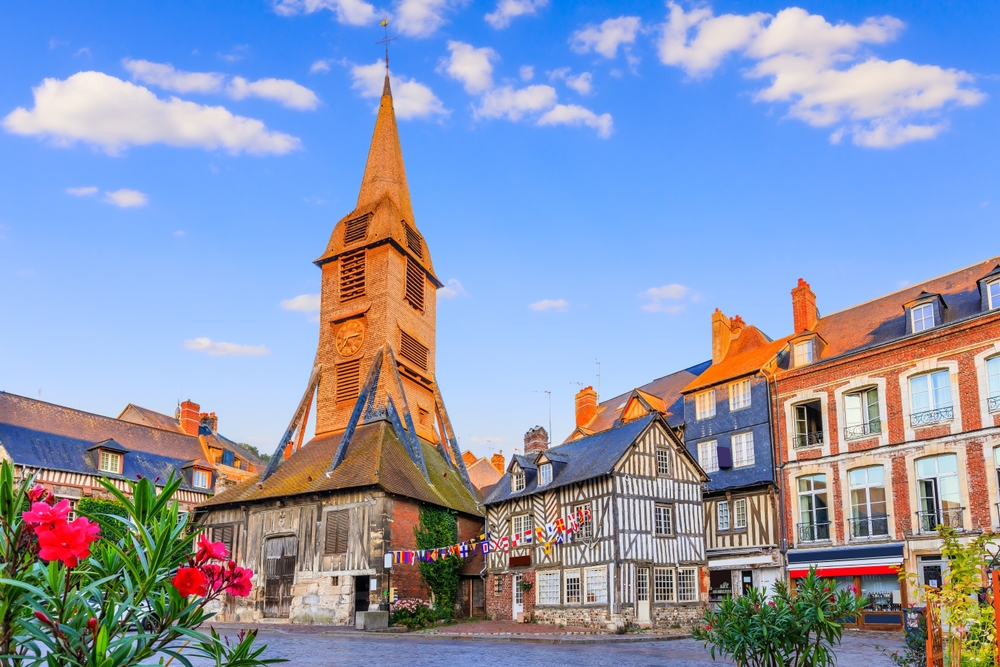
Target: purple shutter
pixel 725 457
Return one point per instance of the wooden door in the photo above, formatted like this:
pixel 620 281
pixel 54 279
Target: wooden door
pixel 478 597
pixel 279 569
pixel 642 595
pixel 517 595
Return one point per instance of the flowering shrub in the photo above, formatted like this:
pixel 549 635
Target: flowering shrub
pixel 412 613
pixel 71 598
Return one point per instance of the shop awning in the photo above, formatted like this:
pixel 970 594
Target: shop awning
pixel 848 571
pixel 846 561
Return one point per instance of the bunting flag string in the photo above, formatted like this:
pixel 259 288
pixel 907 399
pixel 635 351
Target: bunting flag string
pixel 558 532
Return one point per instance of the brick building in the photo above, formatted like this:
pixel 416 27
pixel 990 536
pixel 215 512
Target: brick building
pixel 317 523
pixel 888 423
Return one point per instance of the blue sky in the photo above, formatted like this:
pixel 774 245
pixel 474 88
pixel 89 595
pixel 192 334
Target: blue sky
pixel 593 179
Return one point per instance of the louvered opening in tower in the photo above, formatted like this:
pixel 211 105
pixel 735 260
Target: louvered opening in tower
pixel 348 380
pixel 414 285
pixel 413 241
pixel 352 276
pixel 411 349
pixel 356 229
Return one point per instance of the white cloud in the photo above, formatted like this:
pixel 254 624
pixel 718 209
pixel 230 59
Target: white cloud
pixel 506 102
pixel 218 349
pixel 670 298
pixel 508 10
pixel 320 66
pixel 410 98
pixel 574 114
pixel 472 66
pixel 422 18
pixel 163 75
pixel 350 12
pixel 558 305
pixel 452 289
pixel 822 72
pixel 85 191
pixel 306 303
pixel 126 198
pixel 113 114
pixel 607 37
pixel 581 83
pixel 284 91
pixel 527 72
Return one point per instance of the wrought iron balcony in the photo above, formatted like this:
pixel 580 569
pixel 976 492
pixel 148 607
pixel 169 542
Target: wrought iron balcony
pixel 950 518
pixel 814 532
pixel 928 417
pixel 869 527
pixel 874 427
pixel 994 403
pixel 811 439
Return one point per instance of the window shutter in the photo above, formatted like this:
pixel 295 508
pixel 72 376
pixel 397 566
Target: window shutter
pixel 725 455
pixel 356 229
pixel 414 285
pixel 337 532
pixel 352 276
pixel 223 534
pixel 413 241
pixel 410 348
pixel 348 380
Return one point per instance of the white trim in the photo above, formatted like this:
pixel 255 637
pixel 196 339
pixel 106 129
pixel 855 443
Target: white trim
pixel 855 384
pixel 926 366
pixel 990 304
pixel 728 563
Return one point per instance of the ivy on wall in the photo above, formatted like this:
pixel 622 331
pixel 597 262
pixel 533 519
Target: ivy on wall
pixel 103 512
pixel 439 528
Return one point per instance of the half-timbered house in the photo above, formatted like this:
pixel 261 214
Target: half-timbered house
pixel 641 556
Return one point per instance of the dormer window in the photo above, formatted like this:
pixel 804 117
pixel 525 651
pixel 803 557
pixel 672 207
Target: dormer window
pixel 200 478
pixel 993 294
pixel 517 481
pixel 110 462
pixel 922 317
pixel 803 353
pixel 544 474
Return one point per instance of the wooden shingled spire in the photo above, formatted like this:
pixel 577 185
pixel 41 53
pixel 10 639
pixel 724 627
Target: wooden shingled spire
pixel 384 170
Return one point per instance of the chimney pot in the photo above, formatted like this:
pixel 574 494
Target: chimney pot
pixel 498 462
pixel 722 335
pixel 804 312
pixel 536 440
pixel 586 406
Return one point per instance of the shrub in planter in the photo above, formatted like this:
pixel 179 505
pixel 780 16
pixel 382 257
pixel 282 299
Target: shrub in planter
pixel 787 630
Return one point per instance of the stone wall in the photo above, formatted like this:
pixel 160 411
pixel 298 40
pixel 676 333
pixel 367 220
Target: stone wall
pixel 672 615
pixel 317 600
pixel 576 616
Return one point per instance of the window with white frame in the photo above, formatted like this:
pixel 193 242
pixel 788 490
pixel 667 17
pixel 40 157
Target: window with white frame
pixel 993 383
pixel 743 449
pixel 940 494
pixel 740 514
pixel 861 413
pixel 814 510
pixel 520 523
pixel 687 584
pixel 586 529
pixel 868 502
pixel 739 395
pixel 664 519
pixel 517 481
pixel 722 512
pixel 72 509
pixel 922 317
pixel 574 588
pixel 110 462
pixel 596 580
pixel 548 588
pixel 993 294
pixel 708 455
pixel 544 474
pixel 663 584
pixel 662 462
pixel 199 478
pixel 704 404
pixel 930 398
pixel 803 353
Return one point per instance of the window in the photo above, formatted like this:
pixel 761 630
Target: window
pixel 544 474
pixel 743 450
pixel 348 380
pixel 520 524
pixel 722 512
pixel 708 455
pixel 338 529
pixel 574 588
pixel 498 585
pixel 586 529
pixel 930 398
pixel 663 455
pixel 868 509
pixel 922 317
pixel 413 350
pixel 352 276
pixel 739 395
pixel 940 499
pixel 814 517
pixel 663 584
pixel 548 588
pixel 993 294
pixel 664 520
pixel 414 285
pixel 687 584
pixel 861 413
pixel 993 381
pixel 597 585
pixel 740 514
pixel 808 424
pixel 517 481
pixel 72 509
pixel 803 353
pixel 110 462
pixel 199 478
pixel 704 404
pixel 224 534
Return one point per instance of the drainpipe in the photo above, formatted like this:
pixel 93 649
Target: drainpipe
pixel 776 420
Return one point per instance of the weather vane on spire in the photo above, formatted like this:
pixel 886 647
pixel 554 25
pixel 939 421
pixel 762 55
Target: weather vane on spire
pixel 386 40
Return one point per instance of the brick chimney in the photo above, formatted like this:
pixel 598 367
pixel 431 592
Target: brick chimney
pixel 210 420
pixel 469 458
pixel 190 417
pixel 536 440
pixel 722 335
pixel 804 313
pixel 498 462
pixel 586 406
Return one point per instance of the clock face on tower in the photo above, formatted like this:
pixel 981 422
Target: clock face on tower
pixel 350 337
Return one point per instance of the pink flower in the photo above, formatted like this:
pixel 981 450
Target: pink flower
pixel 215 577
pixel 771 602
pixel 240 585
pixel 36 493
pixel 190 581
pixel 67 542
pixel 854 589
pixel 43 516
pixel 211 550
pixel 92 625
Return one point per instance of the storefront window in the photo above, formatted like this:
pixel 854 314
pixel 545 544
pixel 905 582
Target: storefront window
pixel 882 591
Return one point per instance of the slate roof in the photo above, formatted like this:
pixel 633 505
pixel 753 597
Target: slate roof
pixel 153 418
pixel 747 354
pixel 44 435
pixel 586 458
pixel 374 457
pixel 666 389
pixel 482 474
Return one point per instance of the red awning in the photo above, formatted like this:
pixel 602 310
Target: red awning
pixel 850 571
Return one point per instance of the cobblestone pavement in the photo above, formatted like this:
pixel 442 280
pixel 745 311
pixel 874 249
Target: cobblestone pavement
pixel 313 649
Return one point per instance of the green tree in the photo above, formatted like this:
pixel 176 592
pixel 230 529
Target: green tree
pixel 439 528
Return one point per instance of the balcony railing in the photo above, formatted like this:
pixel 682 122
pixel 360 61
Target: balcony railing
pixel 869 527
pixel 928 417
pixel 994 403
pixel 808 439
pixel 950 518
pixel 814 532
pixel 874 427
